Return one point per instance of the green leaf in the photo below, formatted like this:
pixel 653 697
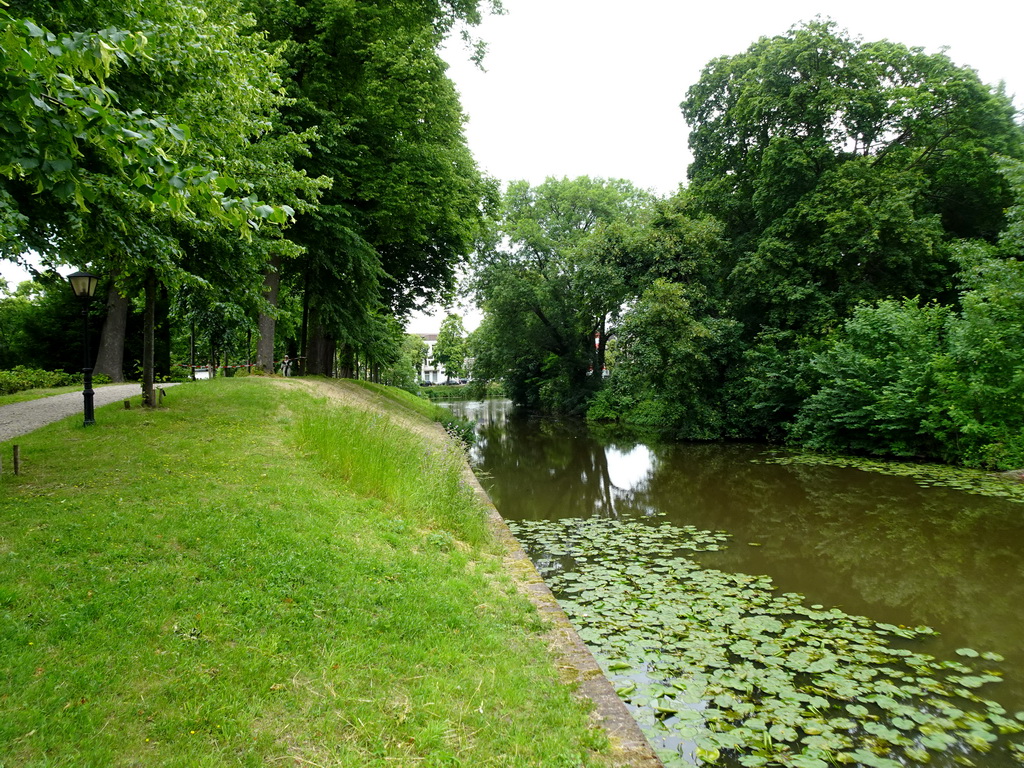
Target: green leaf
pixel 223 183
pixel 32 29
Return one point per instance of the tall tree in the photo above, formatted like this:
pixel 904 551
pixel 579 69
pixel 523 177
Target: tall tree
pixel 107 135
pixel 549 292
pixel 406 199
pixel 450 349
pixel 675 340
pixel 842 168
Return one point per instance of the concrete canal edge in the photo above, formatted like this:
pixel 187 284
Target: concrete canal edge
pixel 629 746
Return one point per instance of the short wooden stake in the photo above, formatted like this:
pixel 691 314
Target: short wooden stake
pixel 17 459
pixel 127 405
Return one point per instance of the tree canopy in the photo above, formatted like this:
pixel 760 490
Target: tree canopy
pixel 71 138
pixel 549 290
pixel 842 169
pixel 143 138
pixel 848 241
pixel 405 206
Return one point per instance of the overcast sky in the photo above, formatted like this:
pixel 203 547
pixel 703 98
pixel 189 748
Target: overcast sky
pixel 592 87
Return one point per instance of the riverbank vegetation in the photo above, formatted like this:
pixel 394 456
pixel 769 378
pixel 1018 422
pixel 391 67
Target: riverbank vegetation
pixel 265 574
pixel 843 271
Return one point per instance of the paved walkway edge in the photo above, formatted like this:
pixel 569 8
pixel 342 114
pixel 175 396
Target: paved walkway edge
pixel 629 745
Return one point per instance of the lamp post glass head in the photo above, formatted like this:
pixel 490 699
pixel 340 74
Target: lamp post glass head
pixel 83 284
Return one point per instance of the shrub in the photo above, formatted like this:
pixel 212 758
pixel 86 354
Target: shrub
pixel 20 378
pixel 876 382
pixel 979 377
pixel 460 429
pixel 929 382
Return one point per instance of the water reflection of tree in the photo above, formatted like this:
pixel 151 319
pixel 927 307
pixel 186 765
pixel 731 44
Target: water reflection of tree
pixel 542 469
pixel 539 469
pixel 870 543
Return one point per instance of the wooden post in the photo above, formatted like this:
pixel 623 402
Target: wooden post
pixel 17 459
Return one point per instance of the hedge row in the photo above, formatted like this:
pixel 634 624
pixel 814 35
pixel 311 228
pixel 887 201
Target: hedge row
pixel 20 378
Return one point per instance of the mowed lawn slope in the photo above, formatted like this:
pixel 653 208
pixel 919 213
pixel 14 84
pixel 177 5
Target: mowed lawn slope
pixel 258 575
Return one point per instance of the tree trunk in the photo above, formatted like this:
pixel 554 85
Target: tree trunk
pixel 319 350
pixel 192 351
pixel 148 339
pixel 162 334
pixel 110 355
pixel 304 329
pixel 602 347
pixel 347 366
pixel 267 324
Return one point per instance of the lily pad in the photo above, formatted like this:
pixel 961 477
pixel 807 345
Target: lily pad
pixel 760 675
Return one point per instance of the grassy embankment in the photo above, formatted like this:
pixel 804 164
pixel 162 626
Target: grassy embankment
pixel 257 576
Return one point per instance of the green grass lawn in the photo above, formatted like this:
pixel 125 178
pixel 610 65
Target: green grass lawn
pixel 35 394
pixel 254 576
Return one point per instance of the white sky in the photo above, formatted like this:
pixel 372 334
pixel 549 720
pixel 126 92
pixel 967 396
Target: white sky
pixel 592 87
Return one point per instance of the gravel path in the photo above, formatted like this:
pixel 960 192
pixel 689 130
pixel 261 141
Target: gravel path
pixel 20 418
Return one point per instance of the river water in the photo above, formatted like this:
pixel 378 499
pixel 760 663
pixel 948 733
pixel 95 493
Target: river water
pixel 873 545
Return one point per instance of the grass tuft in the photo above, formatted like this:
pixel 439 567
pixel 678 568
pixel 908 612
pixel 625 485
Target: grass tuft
pixel 419 404
pixel 419 480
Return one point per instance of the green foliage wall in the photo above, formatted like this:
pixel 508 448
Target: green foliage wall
pixel 843 270
pixel 929 381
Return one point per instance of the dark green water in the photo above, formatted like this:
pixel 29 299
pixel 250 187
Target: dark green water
pixel 873 545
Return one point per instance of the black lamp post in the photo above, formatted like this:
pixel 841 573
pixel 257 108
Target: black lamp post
pixel 84 286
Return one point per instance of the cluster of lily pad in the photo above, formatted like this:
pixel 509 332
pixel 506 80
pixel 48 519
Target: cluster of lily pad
pixel 926 475
pixel 720 668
